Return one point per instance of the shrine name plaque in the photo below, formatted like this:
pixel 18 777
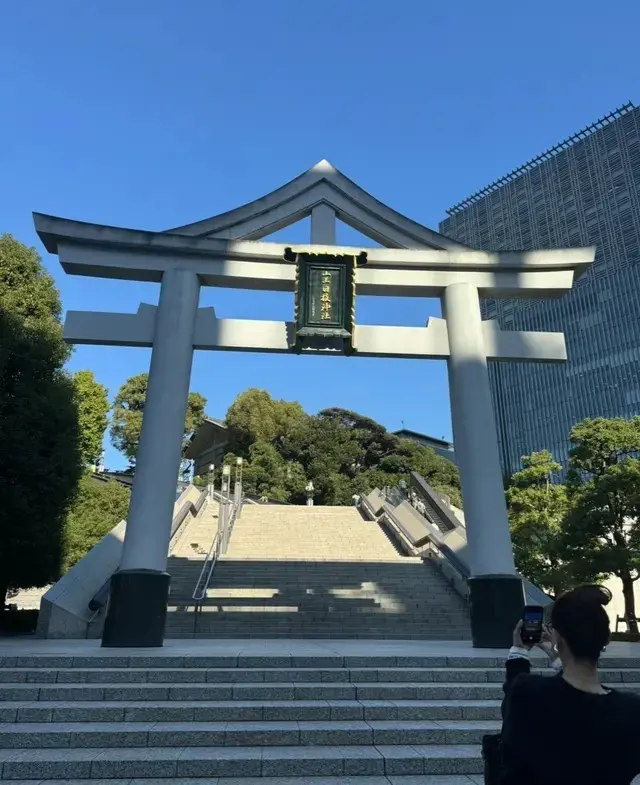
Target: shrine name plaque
pixel 324 299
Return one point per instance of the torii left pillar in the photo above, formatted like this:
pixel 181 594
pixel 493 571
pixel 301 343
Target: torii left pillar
pixel 137 610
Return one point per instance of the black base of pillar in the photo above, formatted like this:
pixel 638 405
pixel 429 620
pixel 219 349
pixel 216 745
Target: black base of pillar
pixel 496 603
pixel 137 609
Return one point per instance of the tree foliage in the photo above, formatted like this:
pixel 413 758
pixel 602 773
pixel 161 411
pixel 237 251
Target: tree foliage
pixel 40 462
pixel 537 509
pixel 255 417
pixel 602 529
pixel 342 452
pixel 128 408
pixel 93 407
pixel 97 507
pixel 588 528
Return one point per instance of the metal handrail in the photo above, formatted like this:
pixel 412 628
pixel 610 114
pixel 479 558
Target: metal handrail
pixel 219 545
pixel 202 585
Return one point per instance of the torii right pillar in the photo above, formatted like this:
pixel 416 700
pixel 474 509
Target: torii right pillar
pixel 496 595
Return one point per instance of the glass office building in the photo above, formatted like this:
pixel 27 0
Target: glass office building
pixel 584 191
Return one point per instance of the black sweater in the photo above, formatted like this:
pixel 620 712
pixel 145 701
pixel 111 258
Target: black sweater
pixel 554 734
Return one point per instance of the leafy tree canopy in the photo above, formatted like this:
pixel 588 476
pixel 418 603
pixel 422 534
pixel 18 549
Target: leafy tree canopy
pixel 128 408
pixel 587 529
pixel 255 416
pixel 536 510
pixel 598 444
pixel 98 506
pixel 342 452
pixel 602 529
pixel 93 407
pixel 40 461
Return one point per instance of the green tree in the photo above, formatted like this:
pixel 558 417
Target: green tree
pixel 39 457
pixel 93 407
pixel 128 408
pixel 602 530
pixel 537 508
pixel 342 452
pixel 255 416
pixel 326 451
pixel 374 440
pixel 97 507
pixel 441 474
pixel 265 472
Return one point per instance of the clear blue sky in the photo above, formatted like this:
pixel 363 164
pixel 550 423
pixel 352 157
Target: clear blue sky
pixel 155 114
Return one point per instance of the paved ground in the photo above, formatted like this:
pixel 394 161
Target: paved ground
pixel 308 648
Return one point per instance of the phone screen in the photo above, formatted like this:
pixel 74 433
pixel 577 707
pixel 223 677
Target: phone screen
pixel 532 620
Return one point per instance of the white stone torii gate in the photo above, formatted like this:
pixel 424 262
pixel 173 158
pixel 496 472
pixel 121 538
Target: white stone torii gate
pixel 224 251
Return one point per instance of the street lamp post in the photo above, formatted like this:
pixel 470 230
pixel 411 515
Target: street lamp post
pixel 310 490
pixel 224 506
pixel 237 487
pixel 212 469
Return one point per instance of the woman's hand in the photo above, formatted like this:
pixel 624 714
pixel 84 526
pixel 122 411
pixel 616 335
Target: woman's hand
pixel 546 643
pixel 517 638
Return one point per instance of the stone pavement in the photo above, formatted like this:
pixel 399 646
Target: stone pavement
pixel 228 647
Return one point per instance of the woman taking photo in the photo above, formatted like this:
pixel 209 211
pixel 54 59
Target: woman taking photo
pixel 569 729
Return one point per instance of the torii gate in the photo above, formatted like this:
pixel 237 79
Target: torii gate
pixel 224 251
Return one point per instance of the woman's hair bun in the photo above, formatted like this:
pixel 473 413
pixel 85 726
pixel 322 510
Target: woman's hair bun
pixel 579 617
pixel 592 593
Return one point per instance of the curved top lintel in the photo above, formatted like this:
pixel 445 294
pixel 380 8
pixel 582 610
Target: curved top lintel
pixel 322 184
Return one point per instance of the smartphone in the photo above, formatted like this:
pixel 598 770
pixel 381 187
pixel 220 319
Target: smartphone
pixel 532 621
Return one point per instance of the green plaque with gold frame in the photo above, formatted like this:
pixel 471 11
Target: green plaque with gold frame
pixel 325 295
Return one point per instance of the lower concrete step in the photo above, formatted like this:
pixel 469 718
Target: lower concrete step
pixel 244 711
pixel 415 779
pixel 207 762
pixel 268 675
pixel 305 733
pixel 258 692
pixel 280 691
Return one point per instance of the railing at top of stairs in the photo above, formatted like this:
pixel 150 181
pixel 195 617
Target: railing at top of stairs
pixel 229 510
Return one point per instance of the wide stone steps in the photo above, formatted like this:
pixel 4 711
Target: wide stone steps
pixel 347 720
pixel 309 572
pixel 420 779
pixel 260 691
pixel 246 711
pixel 351 762
pixel 283 733
pixel 351 676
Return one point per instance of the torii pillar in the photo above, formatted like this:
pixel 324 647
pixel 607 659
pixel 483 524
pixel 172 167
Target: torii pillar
pixel 495 590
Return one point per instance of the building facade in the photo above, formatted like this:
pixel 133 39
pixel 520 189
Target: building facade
pixel 207 446
pixel 584 191
pixel 441 447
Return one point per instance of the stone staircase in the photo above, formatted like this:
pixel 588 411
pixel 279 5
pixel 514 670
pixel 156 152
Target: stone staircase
pixel 309 572
pixel 352 720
